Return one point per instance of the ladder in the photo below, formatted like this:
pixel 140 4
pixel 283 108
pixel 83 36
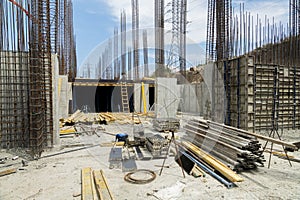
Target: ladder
pixel 124 96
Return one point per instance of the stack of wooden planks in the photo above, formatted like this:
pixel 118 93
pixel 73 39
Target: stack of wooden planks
pixel 79 116
pixel 101 118
pixel 233 147
pixel 94 185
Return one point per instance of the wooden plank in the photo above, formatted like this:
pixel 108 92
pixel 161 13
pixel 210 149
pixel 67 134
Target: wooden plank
pixel 111 144
pixel 101 185
pixel 67 131
pixel 87 184
pixel 8 171
pixel 197 171
pixel 219 166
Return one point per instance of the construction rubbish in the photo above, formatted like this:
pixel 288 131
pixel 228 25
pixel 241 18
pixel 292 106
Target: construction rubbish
pixel 172 192
pixel 234 147
pixel 99 118
pixel 94 185
pixel 166 124
pixel 80 129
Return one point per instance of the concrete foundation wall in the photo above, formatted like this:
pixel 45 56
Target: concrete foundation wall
pixel 167 97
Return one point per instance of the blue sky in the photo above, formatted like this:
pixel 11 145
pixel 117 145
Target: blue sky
pixel 94 20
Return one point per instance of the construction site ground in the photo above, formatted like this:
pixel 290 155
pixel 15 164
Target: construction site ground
pixel 57 175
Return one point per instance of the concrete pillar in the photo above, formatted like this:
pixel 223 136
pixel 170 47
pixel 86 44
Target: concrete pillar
pixel 55 102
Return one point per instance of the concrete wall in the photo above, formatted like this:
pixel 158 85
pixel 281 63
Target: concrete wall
pixel 167 97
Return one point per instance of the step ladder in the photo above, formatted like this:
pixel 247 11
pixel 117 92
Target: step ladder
pixel 124 96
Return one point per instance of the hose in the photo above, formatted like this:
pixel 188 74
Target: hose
pixel 128 177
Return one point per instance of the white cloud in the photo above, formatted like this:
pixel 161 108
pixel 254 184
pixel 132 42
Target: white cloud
pixel 197 13
pixel 146 11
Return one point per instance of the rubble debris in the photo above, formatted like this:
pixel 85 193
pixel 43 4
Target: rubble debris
pixel 24 163
pixel 15 157
pixel 3 160
pixel 76 194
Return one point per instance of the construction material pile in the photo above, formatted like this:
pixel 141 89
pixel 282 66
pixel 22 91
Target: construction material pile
pixel 157 145
pixel 101 118
pixel 168 124
pixel 232 146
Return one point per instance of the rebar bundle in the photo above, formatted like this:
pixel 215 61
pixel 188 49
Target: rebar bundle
pixel 135 37
pixel 146 60
pixel 218 30
pixel 123 42
pixel 159 37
